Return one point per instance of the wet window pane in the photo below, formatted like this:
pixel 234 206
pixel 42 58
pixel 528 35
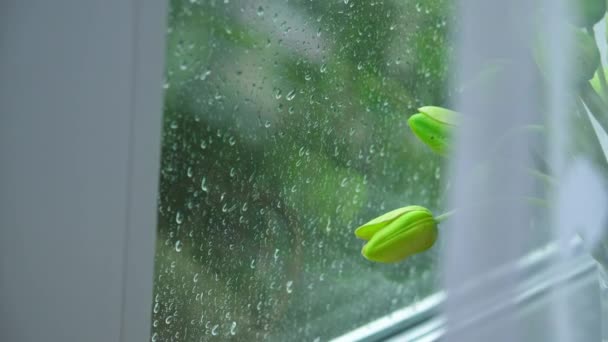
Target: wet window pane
pixel 285 128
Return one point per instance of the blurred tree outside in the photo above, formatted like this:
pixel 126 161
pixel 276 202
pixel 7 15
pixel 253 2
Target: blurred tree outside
pixel 285 129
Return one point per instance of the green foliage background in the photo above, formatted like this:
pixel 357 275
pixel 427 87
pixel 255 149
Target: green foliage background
pixel 285 129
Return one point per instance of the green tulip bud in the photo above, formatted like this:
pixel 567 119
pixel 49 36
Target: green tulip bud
pixel 398 234
pixel 585 58
pixel 585 13
pixel 434 126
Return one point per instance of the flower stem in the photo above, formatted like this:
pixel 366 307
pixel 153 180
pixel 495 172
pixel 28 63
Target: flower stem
pixel 444 216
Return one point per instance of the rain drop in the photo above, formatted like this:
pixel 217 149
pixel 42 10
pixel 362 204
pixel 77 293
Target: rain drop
pixel 204 185
pixel 290 96
pixel 260 11
pixel 288 286
pixel 178 246
pixel 179 217
pixel 205 74
pixel 233 328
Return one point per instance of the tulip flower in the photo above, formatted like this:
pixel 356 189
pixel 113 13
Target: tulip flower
pixel 398 234
pixel 585 56
pixel 585 13
pixel 434 126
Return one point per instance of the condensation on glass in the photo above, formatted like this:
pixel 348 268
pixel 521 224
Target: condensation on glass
pixel 285 129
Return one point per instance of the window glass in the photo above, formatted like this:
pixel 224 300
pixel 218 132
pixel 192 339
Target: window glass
pixel 285 128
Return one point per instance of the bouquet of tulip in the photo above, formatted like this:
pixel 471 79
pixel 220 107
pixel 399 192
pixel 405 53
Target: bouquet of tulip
pixel 400 233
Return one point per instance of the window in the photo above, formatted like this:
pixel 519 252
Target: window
pixel 285 128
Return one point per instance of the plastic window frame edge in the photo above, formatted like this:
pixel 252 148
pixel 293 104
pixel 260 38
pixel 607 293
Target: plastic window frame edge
pixel 423 321
pixel 149 33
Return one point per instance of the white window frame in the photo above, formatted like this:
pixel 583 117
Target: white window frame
pixel 80 133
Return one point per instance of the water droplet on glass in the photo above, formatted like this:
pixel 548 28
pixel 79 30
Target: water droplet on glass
pixel 154 337
pixel 195 278
pixel 307 77
pixel 232 141
pixel 346 2
pixel 205 74
pixel 323 68
pixel 204 185
pixel 214 331
pixel 267 124
pixel 288 286
pixel 233 328
pixel 290 96
pixel 179 218
pixel 260 11
pixel 252 264
pixel 178 246
pixel 189 172
pixel 277 93
pixel 156 307
pixel 203 144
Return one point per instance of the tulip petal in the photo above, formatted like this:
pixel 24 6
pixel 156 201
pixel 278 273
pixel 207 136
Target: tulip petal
pixel 433 133
pixel 443 115
pixel 368 230
pixel 412 233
